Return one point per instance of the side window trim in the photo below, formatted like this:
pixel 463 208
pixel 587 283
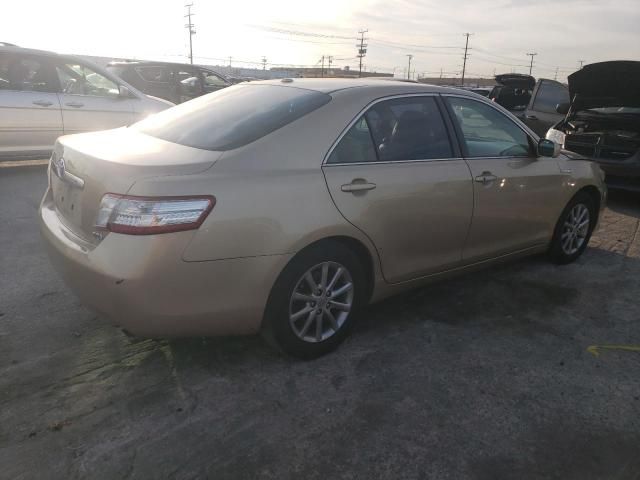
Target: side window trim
pixel 458 130
pixel 457 153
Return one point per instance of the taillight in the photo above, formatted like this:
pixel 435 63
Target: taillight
pixel 152 215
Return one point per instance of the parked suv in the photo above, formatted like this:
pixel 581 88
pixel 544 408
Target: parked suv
pixel 44 95
pixel 176 82
pixel 533 102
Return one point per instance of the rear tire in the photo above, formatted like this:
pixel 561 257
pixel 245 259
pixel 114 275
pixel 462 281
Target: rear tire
pixel 312 304
pixel 574 229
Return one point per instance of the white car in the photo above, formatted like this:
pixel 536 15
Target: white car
pixel 44 95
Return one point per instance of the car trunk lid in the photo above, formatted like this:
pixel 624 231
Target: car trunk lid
pixel 85 167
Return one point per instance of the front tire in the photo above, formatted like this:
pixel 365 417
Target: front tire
pixel 311 307
pixel 574 229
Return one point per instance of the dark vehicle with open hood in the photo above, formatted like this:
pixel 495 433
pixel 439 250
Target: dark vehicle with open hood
pixel 602 121
pixel 533 102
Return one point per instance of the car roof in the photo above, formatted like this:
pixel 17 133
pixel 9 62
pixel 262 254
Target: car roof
pixel 8 48
pixel 153 63
pixel 330 85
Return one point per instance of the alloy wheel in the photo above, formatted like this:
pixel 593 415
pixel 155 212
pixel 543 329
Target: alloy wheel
pixel 321 302
pixel 575 229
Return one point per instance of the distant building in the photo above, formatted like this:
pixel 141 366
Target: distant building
pixel 456 81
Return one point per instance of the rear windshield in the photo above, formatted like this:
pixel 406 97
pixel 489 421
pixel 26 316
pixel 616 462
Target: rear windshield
pixel 232 117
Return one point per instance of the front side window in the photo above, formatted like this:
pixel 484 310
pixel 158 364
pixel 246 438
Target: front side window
pixel 189 82
pixel 213 80
pixel 232 117
pixel 29 74
pixel 488 132
pixel 409 128
pixel 77 79
pixel 549 96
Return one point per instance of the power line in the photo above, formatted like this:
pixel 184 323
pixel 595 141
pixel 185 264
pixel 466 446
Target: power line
pixel 362 49
pixel 192 30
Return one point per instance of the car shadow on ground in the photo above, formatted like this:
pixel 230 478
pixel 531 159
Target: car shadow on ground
pixel 525 298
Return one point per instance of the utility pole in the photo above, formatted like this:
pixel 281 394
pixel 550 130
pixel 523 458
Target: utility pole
pixel 264 63
pixel 556 75
pixel 192 30
pixel 581 63
pixel 531 64
pixel 362 49
pixel 330 62
pixel 464 59
pixel 322 69
pixel 409 69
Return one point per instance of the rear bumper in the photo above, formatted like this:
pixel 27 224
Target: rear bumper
pixel 142 284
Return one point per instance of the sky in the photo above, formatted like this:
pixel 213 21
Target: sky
pixel 298 32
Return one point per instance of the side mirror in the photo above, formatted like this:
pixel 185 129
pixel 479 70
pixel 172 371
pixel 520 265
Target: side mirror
pixel 562 108
pixel 124 92
pixel 548 148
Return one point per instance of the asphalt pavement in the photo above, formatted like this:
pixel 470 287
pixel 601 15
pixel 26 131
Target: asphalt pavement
pixel 524 371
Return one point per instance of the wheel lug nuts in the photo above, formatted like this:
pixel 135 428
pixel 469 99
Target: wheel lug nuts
pixel 318 311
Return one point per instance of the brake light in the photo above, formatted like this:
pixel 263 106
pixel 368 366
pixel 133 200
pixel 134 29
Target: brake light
pixel 152 215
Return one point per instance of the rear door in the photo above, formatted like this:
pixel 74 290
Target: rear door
pixel 516 193
pixel 396 176
pixel 541 113
pixel 30 118
pixel 90 101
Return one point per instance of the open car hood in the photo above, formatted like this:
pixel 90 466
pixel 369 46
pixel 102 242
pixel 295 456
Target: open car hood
pixel 516 80
pixel 615 83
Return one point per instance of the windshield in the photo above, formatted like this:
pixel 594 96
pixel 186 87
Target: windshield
pixel 232 117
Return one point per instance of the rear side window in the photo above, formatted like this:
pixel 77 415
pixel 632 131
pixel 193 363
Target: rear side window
pixel 232 117
pixel 549 95
pixel 356 146
pixel 408 128
pixel 156 74
pixel 28 74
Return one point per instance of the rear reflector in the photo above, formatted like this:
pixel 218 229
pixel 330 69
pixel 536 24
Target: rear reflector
pixel 152 215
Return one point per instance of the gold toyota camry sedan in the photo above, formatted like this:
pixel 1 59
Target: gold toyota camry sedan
pixel 284 206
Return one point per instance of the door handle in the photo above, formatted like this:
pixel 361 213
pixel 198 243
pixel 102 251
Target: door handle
pixel 530 117
pixel 43 103
pixel 358 186
pixel 486 178
pixel 74 104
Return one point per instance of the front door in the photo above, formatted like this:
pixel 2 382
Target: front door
pixel 30 118
pixel 396 176
pixel 90 101
pixel 516 193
